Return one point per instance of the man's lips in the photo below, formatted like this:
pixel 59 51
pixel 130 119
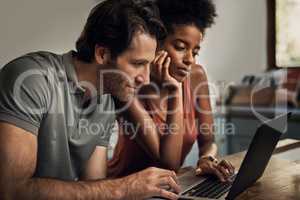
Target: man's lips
pixel 131 88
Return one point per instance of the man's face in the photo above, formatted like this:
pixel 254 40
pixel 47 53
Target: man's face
pixel 132 67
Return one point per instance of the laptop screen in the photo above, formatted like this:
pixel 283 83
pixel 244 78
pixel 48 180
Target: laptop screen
pixel 258 156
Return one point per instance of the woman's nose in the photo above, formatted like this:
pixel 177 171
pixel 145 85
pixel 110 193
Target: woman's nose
pixel 188 59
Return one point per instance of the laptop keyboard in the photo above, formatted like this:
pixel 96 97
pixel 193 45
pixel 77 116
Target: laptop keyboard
pixel 210 188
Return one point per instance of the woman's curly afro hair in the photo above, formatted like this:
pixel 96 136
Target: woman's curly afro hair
pixel 200 13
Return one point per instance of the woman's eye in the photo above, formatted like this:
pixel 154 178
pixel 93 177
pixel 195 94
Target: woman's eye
pixel 195 54
pixel 179 48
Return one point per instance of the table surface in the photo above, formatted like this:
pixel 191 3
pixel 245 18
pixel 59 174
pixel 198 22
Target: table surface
pixel 281 180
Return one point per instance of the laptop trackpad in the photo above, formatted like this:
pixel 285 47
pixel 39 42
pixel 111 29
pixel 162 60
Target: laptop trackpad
pixel 188 179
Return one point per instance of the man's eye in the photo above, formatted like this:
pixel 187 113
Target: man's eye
pixel 138 64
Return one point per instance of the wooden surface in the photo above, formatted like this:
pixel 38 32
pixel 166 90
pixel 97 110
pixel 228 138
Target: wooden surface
pixel 286 145
pixel 280 181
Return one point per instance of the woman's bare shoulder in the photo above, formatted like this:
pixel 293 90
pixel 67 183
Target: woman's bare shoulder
pixel 198 75
pixel 198 71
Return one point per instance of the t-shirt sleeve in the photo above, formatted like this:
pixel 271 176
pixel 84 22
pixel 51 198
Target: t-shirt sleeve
pixel 25 94
pixel 106 120
pixel 103 139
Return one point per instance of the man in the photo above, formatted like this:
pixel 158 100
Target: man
pixel 56 111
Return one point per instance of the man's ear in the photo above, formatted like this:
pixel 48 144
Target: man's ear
pixel 102 54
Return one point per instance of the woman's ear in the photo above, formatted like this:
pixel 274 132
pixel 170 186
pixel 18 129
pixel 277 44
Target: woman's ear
pixel 102 55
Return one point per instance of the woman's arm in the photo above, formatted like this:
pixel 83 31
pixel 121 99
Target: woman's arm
pixel 207 147
pixel 163 146
pixel 199 87
pixel 142 129
pixel 171 141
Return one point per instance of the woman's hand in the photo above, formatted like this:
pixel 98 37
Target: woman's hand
pixel 210 165
pixel 160 68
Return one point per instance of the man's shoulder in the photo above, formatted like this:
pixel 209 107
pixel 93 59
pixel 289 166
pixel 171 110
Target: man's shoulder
pixel 33 70
pixel 44 56
pixel 35 60
pixel 42 62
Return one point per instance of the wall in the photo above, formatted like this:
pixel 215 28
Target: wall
pixel 236 44
pixel 33 25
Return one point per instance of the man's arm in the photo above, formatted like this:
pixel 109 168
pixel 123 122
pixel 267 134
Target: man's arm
pixel 18 150
pixel 96 166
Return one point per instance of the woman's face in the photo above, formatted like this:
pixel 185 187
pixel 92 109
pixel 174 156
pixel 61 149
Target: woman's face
pixel 183 46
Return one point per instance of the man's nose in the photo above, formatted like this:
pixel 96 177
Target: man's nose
pixel 143 77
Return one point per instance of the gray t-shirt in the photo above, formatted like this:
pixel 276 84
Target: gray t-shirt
pixel 40 93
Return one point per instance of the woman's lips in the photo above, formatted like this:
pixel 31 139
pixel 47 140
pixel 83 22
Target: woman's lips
pixel 184 71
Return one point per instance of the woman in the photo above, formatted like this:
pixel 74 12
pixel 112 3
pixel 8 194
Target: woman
pixel 175 111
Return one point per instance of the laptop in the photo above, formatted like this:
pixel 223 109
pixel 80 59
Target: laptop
pixel 252 167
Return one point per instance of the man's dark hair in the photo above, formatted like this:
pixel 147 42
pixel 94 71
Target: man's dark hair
pixel 112 24
pixel 200 13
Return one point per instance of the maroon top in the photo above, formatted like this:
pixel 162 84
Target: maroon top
pixel 129 157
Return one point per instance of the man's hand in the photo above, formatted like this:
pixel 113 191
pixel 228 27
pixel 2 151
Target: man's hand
pixel 151 182
pixel 223 169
